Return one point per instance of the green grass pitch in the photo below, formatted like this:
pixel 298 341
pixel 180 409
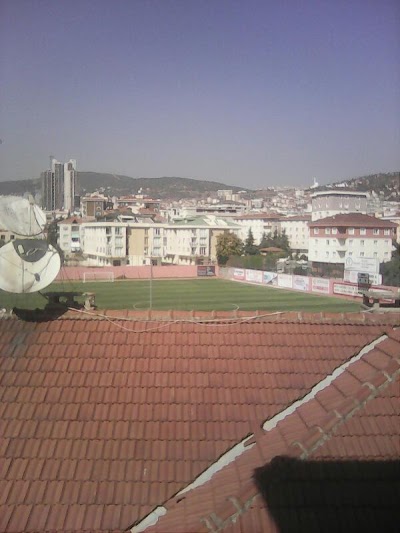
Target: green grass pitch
pixel 189 294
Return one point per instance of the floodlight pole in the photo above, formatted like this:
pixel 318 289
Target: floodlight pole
pixel 151 284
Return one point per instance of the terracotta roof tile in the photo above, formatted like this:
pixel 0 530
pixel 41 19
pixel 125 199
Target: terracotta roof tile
pixel 368 430
pixel 100 425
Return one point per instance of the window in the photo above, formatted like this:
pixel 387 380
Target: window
pixel 350 254
pixel 351 242
pixel 327 241
pixel 361 254
pixel 327 231
pixel 157 231
pixel 386 242
pixel 327 254
pixel 386 254
pixel 334 231
pixel 334 254
pixel 362 243
pixel 375 243
pixel 386 232
pixel 202 250
pixel 375 254
pixel 316 231
pixel 351 231
pixel 376 231
pixel 363 231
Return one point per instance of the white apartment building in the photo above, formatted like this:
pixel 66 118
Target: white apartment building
pixel 297 231
pixel 259 223
pixel 333 202
pixel 70 235
pixel 395 218
pixel 104 243
pixel 334 239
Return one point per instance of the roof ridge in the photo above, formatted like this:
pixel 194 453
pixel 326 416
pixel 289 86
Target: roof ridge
pixel 347 408
pixel 310 440
pixel 317 435
pixel 199 317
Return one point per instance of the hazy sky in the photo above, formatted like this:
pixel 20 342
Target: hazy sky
pixel 251 93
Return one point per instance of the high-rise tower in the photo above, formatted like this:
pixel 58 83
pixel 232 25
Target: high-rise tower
pixel 59 185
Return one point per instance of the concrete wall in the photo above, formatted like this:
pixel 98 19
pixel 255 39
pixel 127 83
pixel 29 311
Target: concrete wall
pixel 132 272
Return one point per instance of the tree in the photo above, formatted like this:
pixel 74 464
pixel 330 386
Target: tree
pixel 249 247
pixel 277 240
pixel 282 241
pixel 265 241
pixel 391 270
pixel 228 244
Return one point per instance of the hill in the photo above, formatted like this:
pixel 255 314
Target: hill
pixel 386 185
pixel 113 184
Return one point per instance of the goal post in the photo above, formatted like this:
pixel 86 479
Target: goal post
pixel 98 275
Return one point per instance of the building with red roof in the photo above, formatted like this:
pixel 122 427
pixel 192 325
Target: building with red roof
pixel 339 238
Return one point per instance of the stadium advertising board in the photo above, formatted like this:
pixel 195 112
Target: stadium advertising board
pixel 370 265
pixel 320 285
pixel 348 290
pixel 301 283
pixel 255 276
pixel 205 271
pixel 352 277
pixel 238 273
pixel 285 280
pixel 270 278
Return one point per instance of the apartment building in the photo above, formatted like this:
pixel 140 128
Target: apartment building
pixel 184 242
pixel 70 235
pixel 335 239
pixel 94 205
pixel 258 223
pixel 59 185
pixel 333 202
pixel 104 243
pixel 297 231
pixel 395 218
pixel 145 242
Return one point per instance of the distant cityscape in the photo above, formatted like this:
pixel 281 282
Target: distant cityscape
pixel 325 229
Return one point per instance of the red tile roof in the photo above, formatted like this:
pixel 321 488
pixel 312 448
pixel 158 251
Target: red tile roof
pixel 353 220
pixel 352 418
pixel 102 420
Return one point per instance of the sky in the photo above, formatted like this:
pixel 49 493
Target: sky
pixel 246 92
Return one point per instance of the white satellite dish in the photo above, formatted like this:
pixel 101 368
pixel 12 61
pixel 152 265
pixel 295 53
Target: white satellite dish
pixel 21 216
pixel 28 265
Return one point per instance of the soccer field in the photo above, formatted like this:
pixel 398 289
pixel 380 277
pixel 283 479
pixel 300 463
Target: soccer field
pixel 189 294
